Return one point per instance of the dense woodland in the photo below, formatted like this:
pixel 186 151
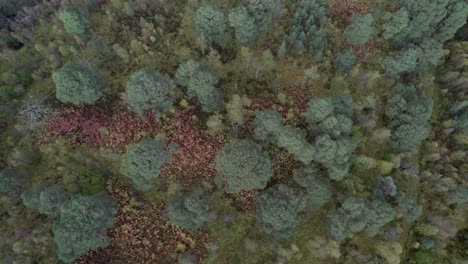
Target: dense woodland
pixel 234 131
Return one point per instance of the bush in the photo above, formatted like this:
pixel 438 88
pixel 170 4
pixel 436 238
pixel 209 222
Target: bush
pixel 345 60
pixel 277 210
pixel 211 25
pixel 75 20
pixel 45 199
pixel 307 33
pixel 318 190
pixel 200 82
pixel 82 225
pixel 11 182
pixel 143 161
pixel 148 89
pixel 408 115
pixel 189 211
pixel 78 84
pixel 360 30
pixel 244 165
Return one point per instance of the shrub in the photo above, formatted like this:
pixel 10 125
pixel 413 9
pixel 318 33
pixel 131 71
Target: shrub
pixel 360 30
pixel 189 211
pixel 318 190
pixel 267 125
pixel 244 166
pixel 408 115
pixel 211 25
pixel 143 161
pixel 307 33
pixel 345 60
pixel 75 20
pixel 244 25
pixel 82 225
pixel 148 89
pixel 278 209
pixel 200 82
pixel 45 199
pixel 11 182
pixel 78 84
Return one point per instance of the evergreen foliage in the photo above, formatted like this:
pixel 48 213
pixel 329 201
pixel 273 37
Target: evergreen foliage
pixel 360 30
pixel 408 115
pixel 244 166
pixel 78 84
pixel 345 60
pixel 358 214
pixel 200 82
pixel 263 11
pixel 75 20
pixel 148 89
pixel 459 113
pixel 419 29
pixel 11 182
pixel 45 199
pixel 294 141
pixel 244 25
pixel 278 209
pixel 335 155
pixel 383 187
pixel 430 17
pixel 395 23
pixel 211 25
pixel 410 209
pixel 143 161
pixel 82 225
pixel 402 61
pixel 307 33
pixel 190 210
pixel 267 125
pixel 318 190
pixel 331 115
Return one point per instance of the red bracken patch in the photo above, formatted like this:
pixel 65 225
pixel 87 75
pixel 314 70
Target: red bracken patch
pixel 83 122
pixel 141 235
pixel 194 159
pixel 125 128
pixel 365 51
pixel 345 9
pixel 95 127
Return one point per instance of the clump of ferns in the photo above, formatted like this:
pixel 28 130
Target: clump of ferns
pixel 34 110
